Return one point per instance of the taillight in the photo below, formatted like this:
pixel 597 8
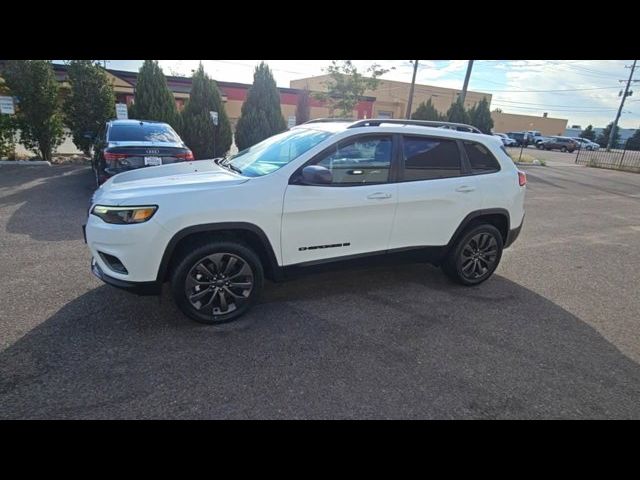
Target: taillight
pixel 185 156
pixel 522 179
pixel 110 157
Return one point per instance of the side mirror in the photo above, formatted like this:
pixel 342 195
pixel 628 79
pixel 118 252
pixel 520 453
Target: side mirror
pixel 316 175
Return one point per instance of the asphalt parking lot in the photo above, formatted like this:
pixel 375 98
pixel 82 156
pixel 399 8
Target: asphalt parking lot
pixel 554 334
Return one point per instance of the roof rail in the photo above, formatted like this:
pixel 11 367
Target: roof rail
pixel 375 122
pixel 329 120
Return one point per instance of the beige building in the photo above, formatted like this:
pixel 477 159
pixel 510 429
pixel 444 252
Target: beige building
pixel 513 122
pixel 391 102
pixel 391 96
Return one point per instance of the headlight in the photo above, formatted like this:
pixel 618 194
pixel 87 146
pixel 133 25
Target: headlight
pixel 124 215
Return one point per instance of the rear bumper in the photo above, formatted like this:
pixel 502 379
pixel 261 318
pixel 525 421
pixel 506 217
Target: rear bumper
pixel 513 235
pixel 139 288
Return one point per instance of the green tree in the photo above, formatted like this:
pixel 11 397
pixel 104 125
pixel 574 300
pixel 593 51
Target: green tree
pixel 7 135
pixel 603 137
pixel 153 100
pixel 303 107
pixel 198 131
pixel 480 116
pixel 90 104
pixel 346 86
pixel 634 142
pixel 426 111
pixel 588 133
pixel 457 113
pixel 261 116
pixel 38 115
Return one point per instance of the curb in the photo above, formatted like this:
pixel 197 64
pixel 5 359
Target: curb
pixel 25 162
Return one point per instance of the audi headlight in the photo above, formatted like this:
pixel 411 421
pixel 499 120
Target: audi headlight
pixel 124 215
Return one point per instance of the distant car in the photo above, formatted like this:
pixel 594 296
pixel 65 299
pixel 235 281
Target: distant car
pixel 586 144
pixel 564 144
pixel 506 141
pixel 521 138
pixel 132 144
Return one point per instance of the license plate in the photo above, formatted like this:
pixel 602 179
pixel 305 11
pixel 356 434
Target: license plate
pixel 153 160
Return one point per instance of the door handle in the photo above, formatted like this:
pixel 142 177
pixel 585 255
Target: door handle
pixel 465 189
pixel 379 196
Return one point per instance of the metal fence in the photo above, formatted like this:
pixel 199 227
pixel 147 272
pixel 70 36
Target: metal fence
pixel 617 159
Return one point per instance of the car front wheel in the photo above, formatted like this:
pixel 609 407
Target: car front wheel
pixel 217 282
pixel 475 255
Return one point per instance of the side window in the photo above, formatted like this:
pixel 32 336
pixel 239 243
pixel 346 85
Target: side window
pixel 480 158
pixel 360 160
pixel 429 158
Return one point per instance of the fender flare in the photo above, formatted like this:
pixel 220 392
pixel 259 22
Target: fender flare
pixel 217 227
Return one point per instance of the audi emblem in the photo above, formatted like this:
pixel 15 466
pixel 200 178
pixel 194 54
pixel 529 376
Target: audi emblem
pixel 153 151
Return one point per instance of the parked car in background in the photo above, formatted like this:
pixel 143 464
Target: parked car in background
pixel 586 144
pixel 132 144
pixel 521 138
pixel 506 141
pixel 564 144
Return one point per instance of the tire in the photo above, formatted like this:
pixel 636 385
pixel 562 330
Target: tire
pixel 211 268
pixel 478 238
pixel 563 149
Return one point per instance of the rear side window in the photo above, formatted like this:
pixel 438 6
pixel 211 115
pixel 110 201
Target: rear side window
pixel 430 158
pixel 145 132
pixel 480 158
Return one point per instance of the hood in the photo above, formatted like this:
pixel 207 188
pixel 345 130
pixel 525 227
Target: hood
pixel 166 179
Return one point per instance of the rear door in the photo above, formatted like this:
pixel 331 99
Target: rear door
pixel 351 216
pixel 435 193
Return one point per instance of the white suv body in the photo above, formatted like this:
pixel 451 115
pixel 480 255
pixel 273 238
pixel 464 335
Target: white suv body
pixel 390 188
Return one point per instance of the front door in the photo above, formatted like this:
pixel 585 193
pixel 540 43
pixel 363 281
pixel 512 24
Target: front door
pixel 352 215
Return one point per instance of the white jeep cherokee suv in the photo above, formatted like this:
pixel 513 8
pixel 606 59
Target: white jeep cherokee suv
pixel 321 192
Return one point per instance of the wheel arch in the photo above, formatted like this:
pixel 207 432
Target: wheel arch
pixel 248 233
pixel 498 217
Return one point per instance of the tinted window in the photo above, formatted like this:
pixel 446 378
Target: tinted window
pixel 480 158
pixel 361 160
pixel 428 158
pixel 146 132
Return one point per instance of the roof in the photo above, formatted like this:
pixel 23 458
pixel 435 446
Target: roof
pixel 132 121
pixel 180 84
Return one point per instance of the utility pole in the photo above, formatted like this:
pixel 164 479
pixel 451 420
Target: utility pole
pixel 614 128
pixel 413 84
pixel 466 82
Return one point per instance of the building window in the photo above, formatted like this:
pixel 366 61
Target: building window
pixel 385 114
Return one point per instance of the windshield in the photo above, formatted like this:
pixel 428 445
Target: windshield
pixel 276 152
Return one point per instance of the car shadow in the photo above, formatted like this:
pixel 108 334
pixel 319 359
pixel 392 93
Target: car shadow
pixel 383 342
pixel 51 202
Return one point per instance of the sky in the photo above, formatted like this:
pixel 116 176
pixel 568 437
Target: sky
pixel 582 91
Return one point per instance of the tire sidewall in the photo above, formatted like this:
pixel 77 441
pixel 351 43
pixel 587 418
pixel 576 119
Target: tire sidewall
pixel 190 259
pixel 455 260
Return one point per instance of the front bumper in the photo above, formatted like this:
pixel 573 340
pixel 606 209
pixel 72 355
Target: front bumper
pixel 139 288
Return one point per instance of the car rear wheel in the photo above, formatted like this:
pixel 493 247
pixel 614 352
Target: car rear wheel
pixel 217 282
pixel 563 149
pixel 475 255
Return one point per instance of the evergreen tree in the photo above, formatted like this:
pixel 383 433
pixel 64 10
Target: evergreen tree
pixel 457 113
pixel 90 104
pixel 634 142
pixel 197 126
pixel 261 116
pixel 153 99
pixel 480 116
pixel 426 111
pixel 589 133
pixel 303 108
pixel 603 138
pixel 38 115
